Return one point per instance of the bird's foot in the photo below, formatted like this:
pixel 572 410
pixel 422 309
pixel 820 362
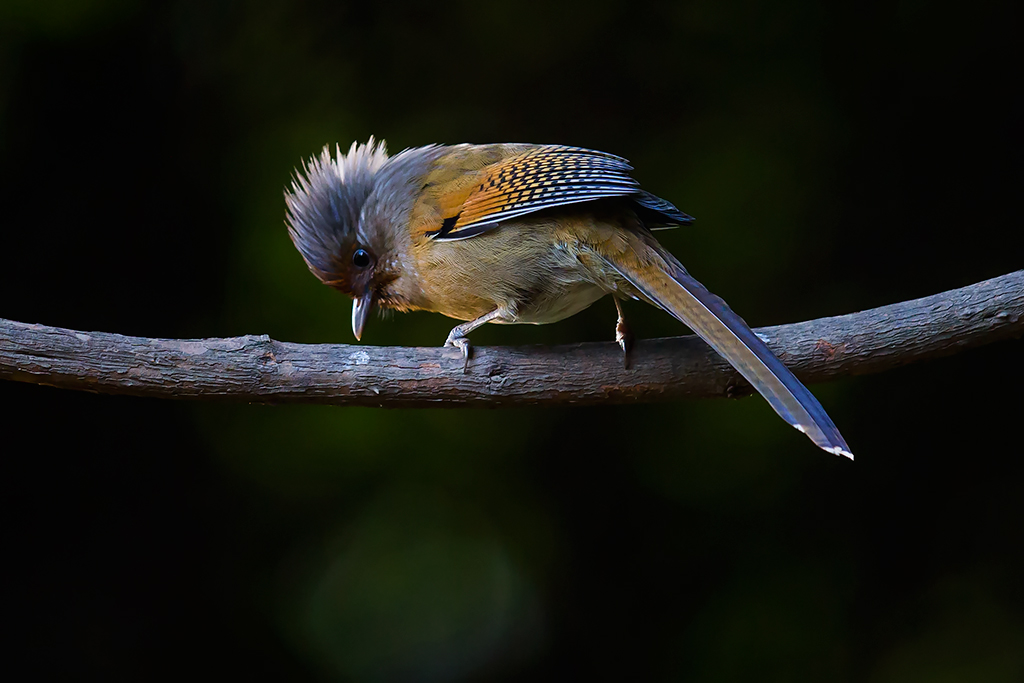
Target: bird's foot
pixel 624 338
pixel 461 343
pixel 457 337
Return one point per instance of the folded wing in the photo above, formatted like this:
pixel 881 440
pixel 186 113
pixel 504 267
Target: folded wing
pixel 527 179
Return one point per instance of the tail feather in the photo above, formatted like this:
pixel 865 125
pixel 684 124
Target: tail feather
pixel 710 317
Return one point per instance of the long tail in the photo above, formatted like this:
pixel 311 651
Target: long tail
pixel 678 294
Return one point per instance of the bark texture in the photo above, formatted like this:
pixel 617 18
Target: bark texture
pixel 260 369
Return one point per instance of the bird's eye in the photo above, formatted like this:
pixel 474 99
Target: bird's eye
pixel 361 258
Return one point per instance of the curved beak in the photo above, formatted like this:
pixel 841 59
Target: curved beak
pixel 361 306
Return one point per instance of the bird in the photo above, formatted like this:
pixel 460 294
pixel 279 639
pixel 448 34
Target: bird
pixel 516 233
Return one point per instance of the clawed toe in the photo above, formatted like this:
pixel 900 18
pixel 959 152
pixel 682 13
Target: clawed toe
pixel 624 338
pixel 466 349
pixel 623 335
pixel 461 343
pixel 457 337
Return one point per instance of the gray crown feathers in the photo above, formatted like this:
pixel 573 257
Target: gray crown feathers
pixel 325 201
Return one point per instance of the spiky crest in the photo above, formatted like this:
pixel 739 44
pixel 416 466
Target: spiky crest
pixel 324 203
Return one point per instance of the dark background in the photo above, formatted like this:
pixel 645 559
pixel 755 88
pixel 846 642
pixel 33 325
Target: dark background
pixel 837 156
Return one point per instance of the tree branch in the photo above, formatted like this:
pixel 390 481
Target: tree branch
pixel 259 369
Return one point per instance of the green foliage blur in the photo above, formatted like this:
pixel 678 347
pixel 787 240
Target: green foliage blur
pixel 836 158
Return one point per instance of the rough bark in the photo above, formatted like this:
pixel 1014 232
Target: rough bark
pixel 260 369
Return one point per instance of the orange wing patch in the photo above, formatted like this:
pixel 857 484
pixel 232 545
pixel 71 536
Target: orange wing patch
pixel 465 201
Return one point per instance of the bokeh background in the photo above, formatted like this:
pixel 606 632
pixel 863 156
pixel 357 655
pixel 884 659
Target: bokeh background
pixel 837 156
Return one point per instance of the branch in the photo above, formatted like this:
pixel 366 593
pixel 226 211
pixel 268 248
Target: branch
pixel 259 369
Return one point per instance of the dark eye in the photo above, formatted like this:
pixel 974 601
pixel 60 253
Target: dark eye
pixel 361 258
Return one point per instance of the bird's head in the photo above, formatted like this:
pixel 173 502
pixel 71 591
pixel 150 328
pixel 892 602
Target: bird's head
pixel 348 217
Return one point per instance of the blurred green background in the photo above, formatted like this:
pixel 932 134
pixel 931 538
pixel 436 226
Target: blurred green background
pixel 837 157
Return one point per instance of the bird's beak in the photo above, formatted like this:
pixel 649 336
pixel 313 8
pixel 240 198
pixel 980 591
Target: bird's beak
pixel 361 306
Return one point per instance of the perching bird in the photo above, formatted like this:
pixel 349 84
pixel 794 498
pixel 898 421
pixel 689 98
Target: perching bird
pixel 516 233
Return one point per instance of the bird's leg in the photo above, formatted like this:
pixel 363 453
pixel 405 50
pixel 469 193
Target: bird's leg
pixel 623 335
pixel 457 337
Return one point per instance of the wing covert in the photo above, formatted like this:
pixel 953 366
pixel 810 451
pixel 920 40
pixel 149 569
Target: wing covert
pixel 538 178
pixel 473 188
